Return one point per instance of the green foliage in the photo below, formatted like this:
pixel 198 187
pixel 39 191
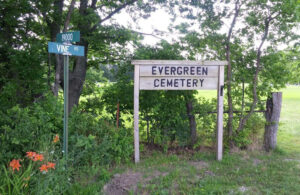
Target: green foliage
pixel 120 92
pixel 290 60
pixel 55 182
pixel 165 110
pixel 170 118
pixel 30 180
pixel 94 141
pixel 28 82
pixel 206 123
pixel 26 129
pixel 274 19
pixel 15 182
pixel 22 55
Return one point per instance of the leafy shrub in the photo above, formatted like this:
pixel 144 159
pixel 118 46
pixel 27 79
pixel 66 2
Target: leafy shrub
pixel 206 123
pixel 94 141
pixel 14 183
pixel 27 129
pixel 254 126
pixel 30 173
pixel 90 140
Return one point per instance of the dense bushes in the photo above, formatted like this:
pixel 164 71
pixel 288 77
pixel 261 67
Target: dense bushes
pixel 27 129
pixel 94 144
pixel 96 141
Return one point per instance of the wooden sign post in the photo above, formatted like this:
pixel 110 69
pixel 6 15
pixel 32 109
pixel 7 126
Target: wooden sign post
pixel 178 75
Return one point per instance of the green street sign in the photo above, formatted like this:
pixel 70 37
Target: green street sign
pixel 68 37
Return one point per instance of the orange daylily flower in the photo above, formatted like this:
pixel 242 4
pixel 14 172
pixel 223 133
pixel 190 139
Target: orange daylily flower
pixel 15 164
pixel 56 138
pixel 39 157
pixel 50 165
pixel 30 155
pixel 44 168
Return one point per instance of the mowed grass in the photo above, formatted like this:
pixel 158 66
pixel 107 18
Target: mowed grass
pixel 289 129
pixel 238 173
pixel 210 94
pixel 242 172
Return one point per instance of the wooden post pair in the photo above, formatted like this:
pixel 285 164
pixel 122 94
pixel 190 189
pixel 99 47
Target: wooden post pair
pixel 179 75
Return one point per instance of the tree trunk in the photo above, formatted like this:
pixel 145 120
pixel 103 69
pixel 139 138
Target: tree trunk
pixel 229 75
pixel 54 27
pixel 192 121
pixel 258 68
pixel 86 28
pixel 59 68
pixel 76 80
pixel 273 108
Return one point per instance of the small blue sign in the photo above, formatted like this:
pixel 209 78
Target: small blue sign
pixel 64 49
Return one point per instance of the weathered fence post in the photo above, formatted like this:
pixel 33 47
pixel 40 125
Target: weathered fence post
pixel 273 108
pixel 192 121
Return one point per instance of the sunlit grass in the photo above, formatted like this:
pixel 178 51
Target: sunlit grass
pixel 209 94
pixel 244 172
pixel 289 129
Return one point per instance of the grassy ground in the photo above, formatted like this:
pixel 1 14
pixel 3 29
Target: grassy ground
pixel 207 93
pixel 289 129
pixel 242 172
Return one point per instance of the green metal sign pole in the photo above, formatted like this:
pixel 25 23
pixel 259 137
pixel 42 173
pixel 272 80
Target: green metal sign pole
pixel 63 46
pixel 66 103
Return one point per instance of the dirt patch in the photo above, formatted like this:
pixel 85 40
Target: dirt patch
pixel 199 164
pixel 209 173
pixel 154 175
pixel 256 162
pixel 202 165
pixel 122 184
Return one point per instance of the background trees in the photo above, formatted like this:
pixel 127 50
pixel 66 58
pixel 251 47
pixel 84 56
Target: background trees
pixel 22 54
pixel 247 34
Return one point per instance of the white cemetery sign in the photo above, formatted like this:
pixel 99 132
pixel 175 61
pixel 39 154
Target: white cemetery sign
pixel 178 75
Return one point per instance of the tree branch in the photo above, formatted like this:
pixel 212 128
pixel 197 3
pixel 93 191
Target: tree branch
pixel 243 120
pixel 46 18
pixel 93 5
pixel 113 13
pixel 229 72
pixel 67 21
pixel 237 10
pixel 148 34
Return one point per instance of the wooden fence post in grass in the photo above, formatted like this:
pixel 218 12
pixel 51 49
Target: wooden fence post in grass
pixel 273 108
pixel 192 121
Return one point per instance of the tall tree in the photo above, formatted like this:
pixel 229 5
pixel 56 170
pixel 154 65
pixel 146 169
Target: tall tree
pixel 99 35
pixel 246 34
pixel 229 71
pixel 22 53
